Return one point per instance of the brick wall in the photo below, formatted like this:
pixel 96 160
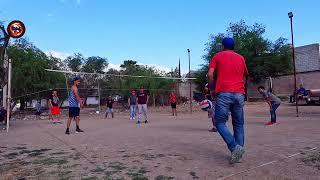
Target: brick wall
pixel 284 85
pixel 308 68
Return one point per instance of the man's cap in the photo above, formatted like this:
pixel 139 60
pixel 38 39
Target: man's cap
pixel 76 78
pixel 228 43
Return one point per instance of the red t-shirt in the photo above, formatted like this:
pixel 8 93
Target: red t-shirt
pixel 173 98
pixel 231 69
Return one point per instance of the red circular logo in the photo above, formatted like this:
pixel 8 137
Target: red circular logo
pixel 16 29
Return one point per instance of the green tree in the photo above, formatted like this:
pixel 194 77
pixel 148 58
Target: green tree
pixel 95 64
pixel 130 68
pixel 264 58
pixel 75 62
pixel 28 70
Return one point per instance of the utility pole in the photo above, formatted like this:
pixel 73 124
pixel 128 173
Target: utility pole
pixel 9 93
pixel 190 95
pixel 290 14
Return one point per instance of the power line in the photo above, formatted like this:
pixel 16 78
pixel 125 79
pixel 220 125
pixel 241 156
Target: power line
pixel 119 75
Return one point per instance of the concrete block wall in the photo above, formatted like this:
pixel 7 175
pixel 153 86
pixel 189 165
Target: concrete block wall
pixel 284 85
pixel 308 69
pixel 307 58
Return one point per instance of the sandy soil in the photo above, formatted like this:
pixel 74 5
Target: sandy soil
pixel 166 148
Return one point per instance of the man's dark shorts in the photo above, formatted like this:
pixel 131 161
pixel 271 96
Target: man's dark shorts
pixel 173 105
pixel 74 111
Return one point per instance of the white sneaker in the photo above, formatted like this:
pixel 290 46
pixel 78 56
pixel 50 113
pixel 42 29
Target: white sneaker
pixel 131 118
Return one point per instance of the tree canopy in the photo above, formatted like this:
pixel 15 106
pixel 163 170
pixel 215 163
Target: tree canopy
pixel 29 75
pixel 264 58
pixel 28 72
pixel 95 64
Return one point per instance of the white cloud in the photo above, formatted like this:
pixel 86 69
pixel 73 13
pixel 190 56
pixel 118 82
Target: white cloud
pixel 57 54
pixel 155 66
pixel 114 66
pixel 77 2
pixel 158 67
pixel 50 15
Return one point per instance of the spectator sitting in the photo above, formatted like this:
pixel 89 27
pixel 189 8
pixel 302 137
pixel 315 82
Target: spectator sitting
pixel 302 91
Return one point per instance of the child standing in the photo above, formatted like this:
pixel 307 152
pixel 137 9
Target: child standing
pixel 173 102
pixel 110 107
pixel 132 104
pixel 38 109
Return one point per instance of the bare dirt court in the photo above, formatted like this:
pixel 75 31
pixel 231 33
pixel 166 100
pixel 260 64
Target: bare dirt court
pixel 167 148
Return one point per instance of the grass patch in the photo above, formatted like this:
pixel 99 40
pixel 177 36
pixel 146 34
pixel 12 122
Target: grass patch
pixel 20 148
pixel 161 155
pixel 139 177
pixel 75 165
pixel 137 174
pixel 194 176
pixel 90 178
pixel 148 156
pixel 98 169
pixel 24 152
pixel 118 166
pixel 110 173
pixel 61 174
pixel 77 156
pixel 162 177
pixel 58 153
pixel 11 155
pixel 312 160
pixel 143 170
pixel 34 153
pixel 51 161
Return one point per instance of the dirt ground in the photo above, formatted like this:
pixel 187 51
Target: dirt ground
pixel 166 148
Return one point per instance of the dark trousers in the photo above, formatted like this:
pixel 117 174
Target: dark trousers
pixel 273 110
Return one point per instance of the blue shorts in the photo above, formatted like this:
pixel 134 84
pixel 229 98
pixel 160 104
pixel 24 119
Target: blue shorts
pixel 74 111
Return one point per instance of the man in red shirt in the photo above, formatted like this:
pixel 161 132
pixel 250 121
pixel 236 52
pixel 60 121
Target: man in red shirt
pixel 173 102
pixel 231 71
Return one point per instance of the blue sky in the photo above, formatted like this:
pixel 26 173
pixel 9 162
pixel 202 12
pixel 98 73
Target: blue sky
pixel 152 32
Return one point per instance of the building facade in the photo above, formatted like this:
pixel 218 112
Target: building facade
pixel 308 73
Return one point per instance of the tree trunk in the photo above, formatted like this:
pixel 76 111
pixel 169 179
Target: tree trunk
pixel 22 103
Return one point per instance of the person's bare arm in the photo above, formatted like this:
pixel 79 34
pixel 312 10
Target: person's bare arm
pixel 147 99
pixel 50 103
pixel 210 78
pixel 137 100
pixel 129 101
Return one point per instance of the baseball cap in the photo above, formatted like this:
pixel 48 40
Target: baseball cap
pixel 228 43
pixel 76 78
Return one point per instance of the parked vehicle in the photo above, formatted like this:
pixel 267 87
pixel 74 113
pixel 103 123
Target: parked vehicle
pixel 313 96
